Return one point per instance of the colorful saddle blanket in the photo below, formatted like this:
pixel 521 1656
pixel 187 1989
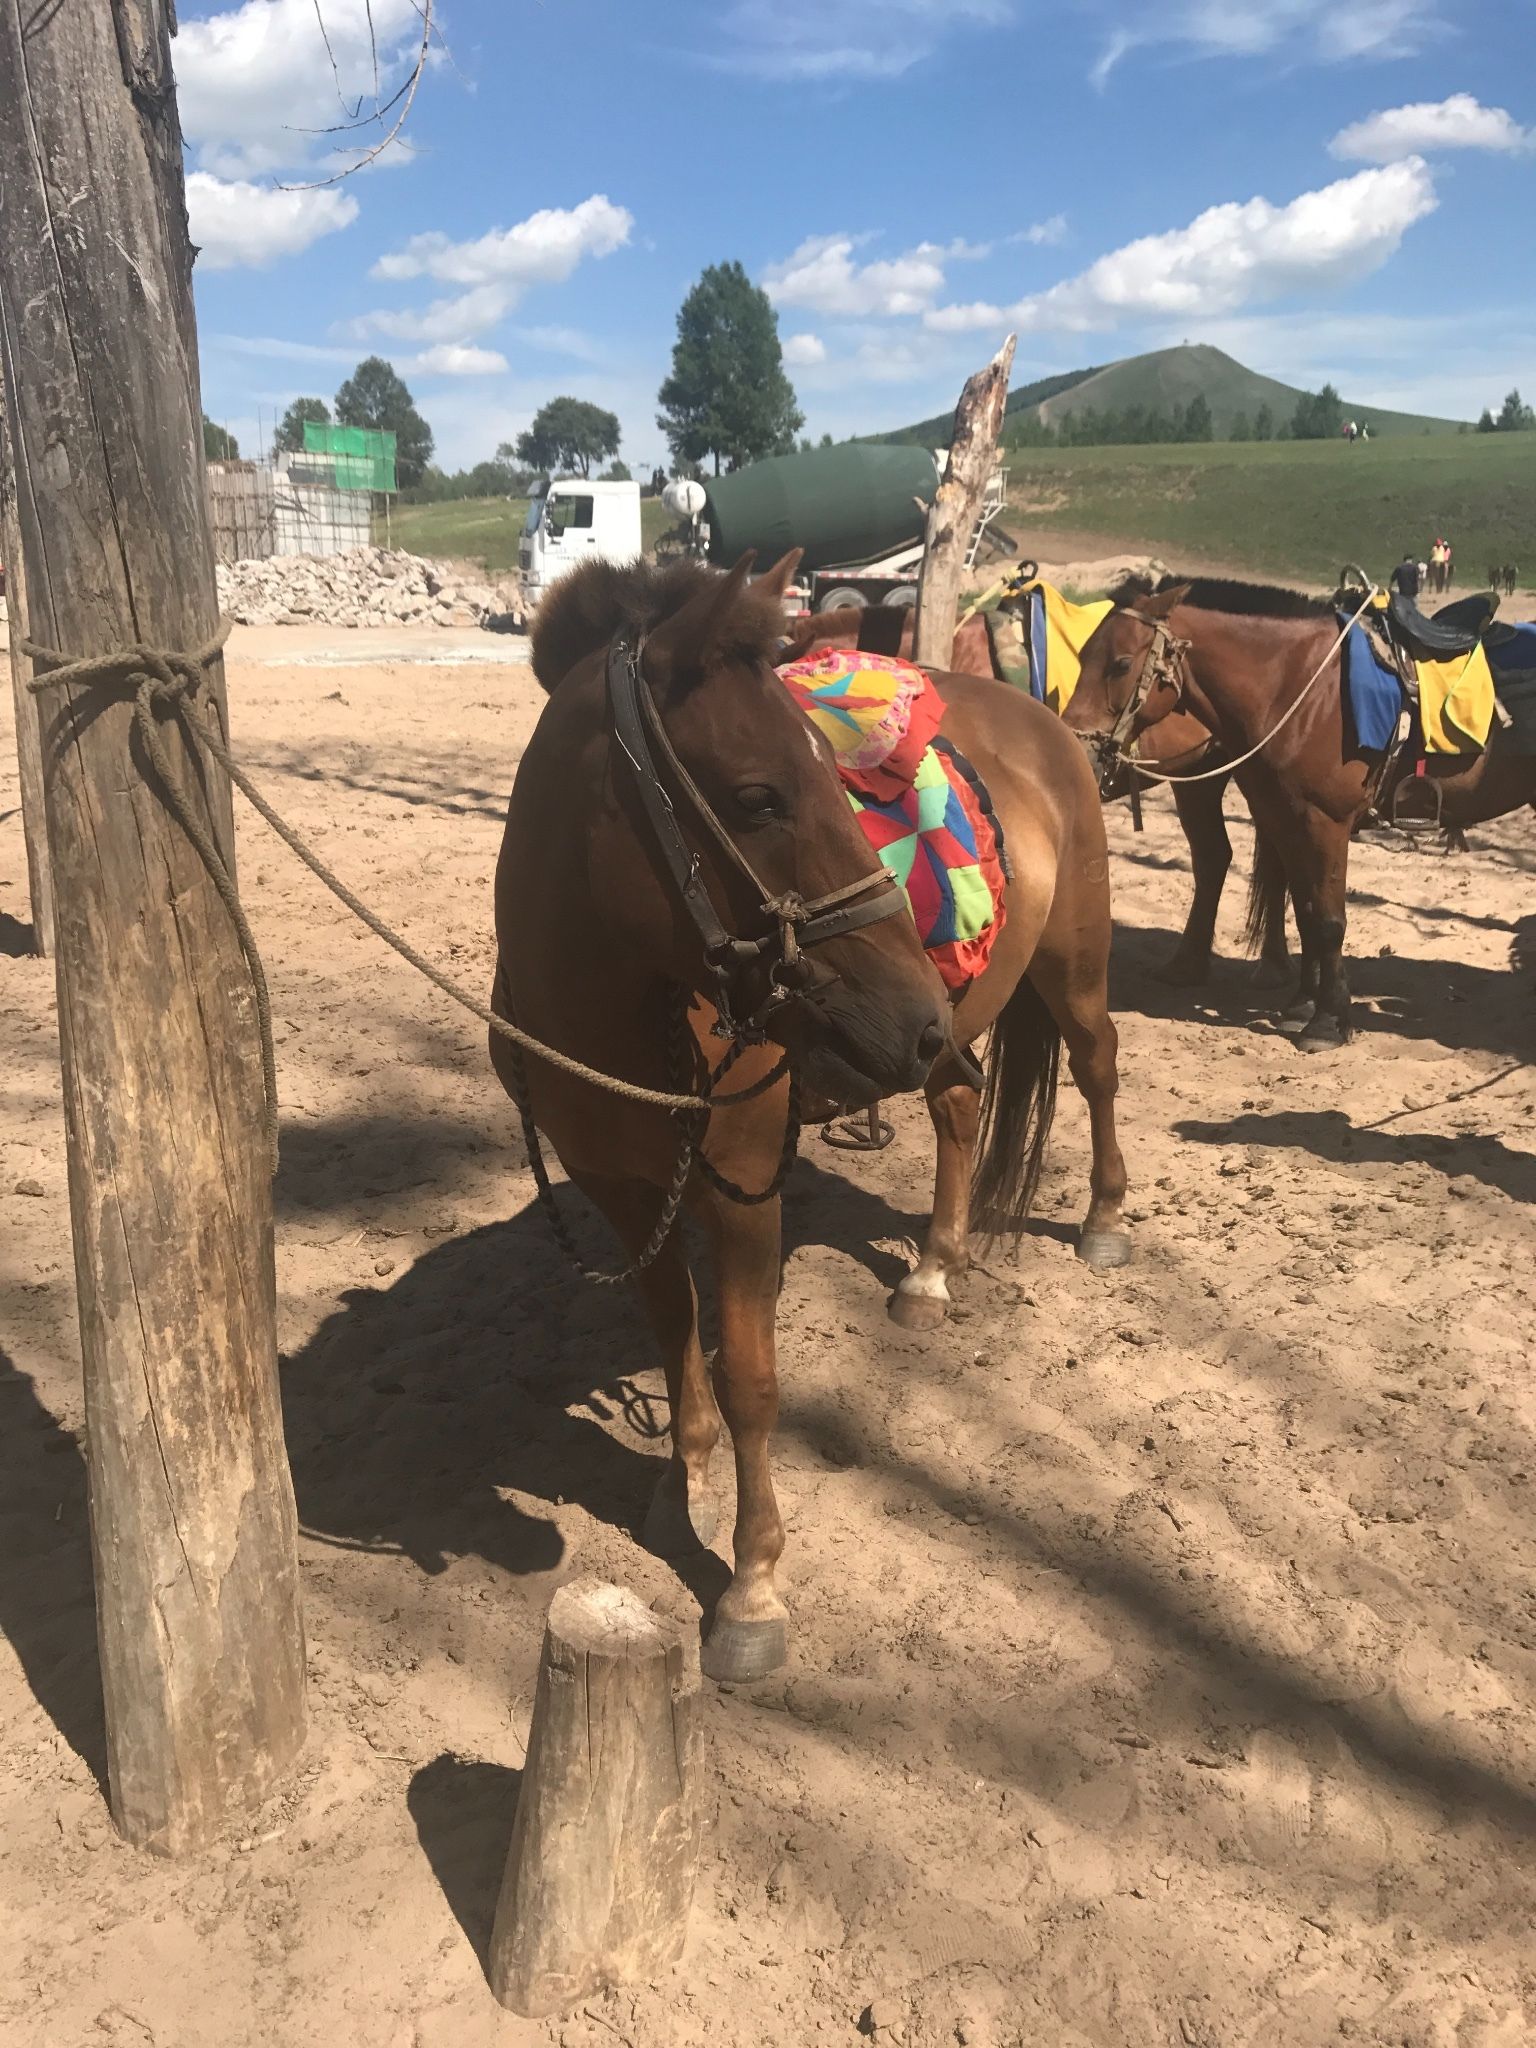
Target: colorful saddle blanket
pixel 1038 637
pixel 920 809
pixel 1455 697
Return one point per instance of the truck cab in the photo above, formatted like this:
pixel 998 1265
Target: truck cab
pixel 574 520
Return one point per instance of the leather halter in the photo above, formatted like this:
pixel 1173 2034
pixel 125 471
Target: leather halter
pixel 1165 661
pixel 796 924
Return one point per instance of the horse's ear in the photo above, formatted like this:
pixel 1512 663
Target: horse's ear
pixel 675 651
pixel 775 581
pixel 1165 601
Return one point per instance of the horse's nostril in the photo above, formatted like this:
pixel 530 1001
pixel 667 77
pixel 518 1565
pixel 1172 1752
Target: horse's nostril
pixel 931 1044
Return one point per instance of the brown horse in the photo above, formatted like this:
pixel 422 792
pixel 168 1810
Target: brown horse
pixel 1178 745
pixel 600 959
pixel 1239 657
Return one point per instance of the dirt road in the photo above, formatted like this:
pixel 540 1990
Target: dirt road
pixel 1164 1656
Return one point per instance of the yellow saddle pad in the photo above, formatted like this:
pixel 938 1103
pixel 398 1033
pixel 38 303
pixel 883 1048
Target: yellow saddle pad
pixel 1456 703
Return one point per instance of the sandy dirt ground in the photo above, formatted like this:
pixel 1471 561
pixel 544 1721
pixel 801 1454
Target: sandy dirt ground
pixel 1164 1643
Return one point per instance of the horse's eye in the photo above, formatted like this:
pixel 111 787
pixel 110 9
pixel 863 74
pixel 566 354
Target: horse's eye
pixel 1120 666
pixel 758 800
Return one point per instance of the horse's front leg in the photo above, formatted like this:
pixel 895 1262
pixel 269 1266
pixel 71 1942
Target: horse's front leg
pixel 1199 806
pixel 682 1513
pixel 749 1633
pixel 921 1300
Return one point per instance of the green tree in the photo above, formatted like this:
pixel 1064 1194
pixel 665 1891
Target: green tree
pixel 376 395
pixel 1241 428
pixel 568 435
pixel 1319 415
pixel 290 428
pixel 617 473
pixel 1487 424
pixel 1264 423
pixel 219 444
pixel 1515 416
pixel 727 397
pixel 1197 423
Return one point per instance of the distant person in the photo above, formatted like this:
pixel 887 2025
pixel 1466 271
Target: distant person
pixel 1406 579
pixel 1365 432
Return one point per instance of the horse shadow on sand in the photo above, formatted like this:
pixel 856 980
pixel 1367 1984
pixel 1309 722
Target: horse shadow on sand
pixel 1449 1003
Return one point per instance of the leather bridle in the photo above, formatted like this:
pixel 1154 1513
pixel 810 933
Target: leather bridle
pixel 795 923
pixel 1165 661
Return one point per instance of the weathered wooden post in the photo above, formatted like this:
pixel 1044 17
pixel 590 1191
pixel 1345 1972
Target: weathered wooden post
pixel 192 1514
pixel 952 515
pixel 29 737
pixel 605 1847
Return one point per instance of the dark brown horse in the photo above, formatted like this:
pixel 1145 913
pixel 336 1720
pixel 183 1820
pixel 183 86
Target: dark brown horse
pixel 1260 670
pixel 1179 745
pixel 598 959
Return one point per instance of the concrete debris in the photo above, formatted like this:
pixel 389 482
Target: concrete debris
pixel 360 587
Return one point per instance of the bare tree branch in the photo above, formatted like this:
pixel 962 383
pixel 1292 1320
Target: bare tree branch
pixel 401 100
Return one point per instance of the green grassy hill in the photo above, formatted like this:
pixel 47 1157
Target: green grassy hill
pixel 1294 510
pixel 1168 378
pixel 935 432
pixel 1165 380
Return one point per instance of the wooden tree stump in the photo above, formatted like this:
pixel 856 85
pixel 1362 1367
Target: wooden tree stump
pixel 605 1847
pixel 952 515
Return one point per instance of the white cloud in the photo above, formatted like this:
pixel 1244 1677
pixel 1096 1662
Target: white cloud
pixel 562 341
pixel 1313 31
pixel 544 249
pixel 454 359
pixel 801 350
pixel 839 41
pixel 1043 234
pixel 1460 122
pixel 822 276
pixel 256 85
pixel 1231 256
pixel 235 223
pixel 459 318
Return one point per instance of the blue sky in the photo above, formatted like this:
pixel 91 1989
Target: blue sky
pixel 1293 180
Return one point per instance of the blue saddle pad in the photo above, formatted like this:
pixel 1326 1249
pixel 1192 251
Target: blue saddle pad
pixel 1513 661
pixel 1373 696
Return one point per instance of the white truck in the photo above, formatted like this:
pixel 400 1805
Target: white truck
pixel 574 520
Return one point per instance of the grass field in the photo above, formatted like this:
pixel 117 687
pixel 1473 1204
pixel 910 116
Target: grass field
pixel 1296 509
pixel 483 529
pixel 1293 509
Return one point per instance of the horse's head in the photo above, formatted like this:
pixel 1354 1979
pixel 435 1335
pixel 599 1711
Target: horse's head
pixel 1132 677
pixel 765 846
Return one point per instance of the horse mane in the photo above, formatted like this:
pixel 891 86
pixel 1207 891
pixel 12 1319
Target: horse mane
pixel 585 609
pixel 1225 594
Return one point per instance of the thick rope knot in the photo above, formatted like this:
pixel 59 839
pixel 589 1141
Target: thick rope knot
pixel 168 678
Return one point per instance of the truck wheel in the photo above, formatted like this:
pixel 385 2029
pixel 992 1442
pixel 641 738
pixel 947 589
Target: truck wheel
pixel 840 599
pixel 902 598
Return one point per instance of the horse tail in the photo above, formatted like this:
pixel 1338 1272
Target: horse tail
pixel 1264 924
pixel 1017 1106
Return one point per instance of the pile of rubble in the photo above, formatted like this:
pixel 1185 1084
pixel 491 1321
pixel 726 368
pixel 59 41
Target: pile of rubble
pixel 361 587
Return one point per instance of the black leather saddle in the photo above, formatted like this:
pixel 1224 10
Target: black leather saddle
pixel 1454 629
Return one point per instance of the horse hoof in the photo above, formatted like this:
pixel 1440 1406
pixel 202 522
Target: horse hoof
pixel 917 1311
pixel 735 1651
pixel 671 1530
pixel 1104 1249
pixel 1182 973
pixel 1323 1034
pixel 1294 1022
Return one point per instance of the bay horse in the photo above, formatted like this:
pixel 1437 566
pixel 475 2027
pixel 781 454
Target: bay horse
pixel 1178 745
pixel 601 955
pixel 1238 657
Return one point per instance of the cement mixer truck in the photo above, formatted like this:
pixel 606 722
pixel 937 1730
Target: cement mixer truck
pixel 857 510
